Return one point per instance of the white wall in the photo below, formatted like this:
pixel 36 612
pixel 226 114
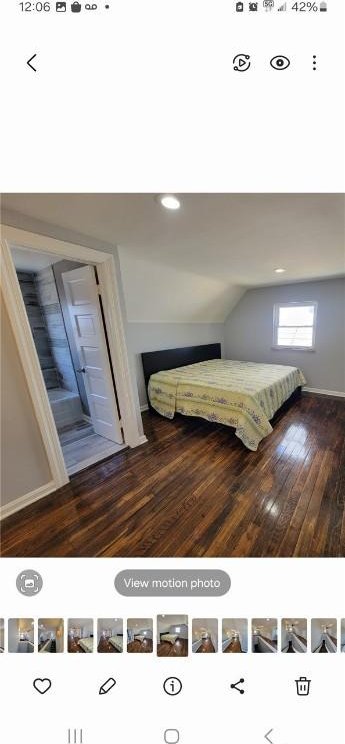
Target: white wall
pixel 155 336
pixel 20 433
pixel 248 331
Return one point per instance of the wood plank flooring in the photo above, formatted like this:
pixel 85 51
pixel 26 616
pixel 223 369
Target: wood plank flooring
pixel 206 647
pixel 195 490
pixel 140 647
pixel 179 648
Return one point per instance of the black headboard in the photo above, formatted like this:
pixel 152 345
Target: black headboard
pixel 155 361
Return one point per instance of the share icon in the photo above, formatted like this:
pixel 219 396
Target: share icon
pixel 235 686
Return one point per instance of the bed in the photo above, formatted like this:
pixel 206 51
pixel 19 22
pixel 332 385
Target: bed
pixel 86 644
pixel 117 642
pixel 141 637
pixel 243 395
pixel 168 637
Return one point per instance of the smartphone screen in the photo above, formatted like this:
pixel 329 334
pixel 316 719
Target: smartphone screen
pixel 172 372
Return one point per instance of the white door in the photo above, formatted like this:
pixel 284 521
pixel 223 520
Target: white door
pixel 87 323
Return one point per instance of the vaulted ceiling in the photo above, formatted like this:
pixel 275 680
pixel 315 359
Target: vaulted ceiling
pixel 195 263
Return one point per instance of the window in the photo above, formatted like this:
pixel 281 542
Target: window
pixel 294 325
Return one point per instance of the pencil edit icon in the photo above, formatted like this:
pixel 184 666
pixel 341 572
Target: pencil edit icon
pixel 107 686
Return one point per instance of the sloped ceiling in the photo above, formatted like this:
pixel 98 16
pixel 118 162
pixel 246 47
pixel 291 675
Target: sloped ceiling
pixel 194 264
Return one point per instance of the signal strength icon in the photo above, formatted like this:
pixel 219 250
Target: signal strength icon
pixel 283 7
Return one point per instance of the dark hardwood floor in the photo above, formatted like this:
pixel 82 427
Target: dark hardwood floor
pixel 234 647
pixel 206 647
pixel 140 647
pixel 179 648
pixel 195 490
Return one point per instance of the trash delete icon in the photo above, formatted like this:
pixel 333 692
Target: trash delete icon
pixel 303 686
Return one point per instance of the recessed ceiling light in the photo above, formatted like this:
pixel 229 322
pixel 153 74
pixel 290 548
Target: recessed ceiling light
pixel 169 201
pixel 279 271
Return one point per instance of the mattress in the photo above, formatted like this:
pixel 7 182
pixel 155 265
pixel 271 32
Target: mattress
pixel 86 644
pixel 117 642
pixel 169 637
pixel 245 395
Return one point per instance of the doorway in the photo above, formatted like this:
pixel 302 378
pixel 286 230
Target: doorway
pixel 64 311
pixel 107 274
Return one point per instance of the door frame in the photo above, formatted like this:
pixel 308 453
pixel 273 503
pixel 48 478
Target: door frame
pixel 106 270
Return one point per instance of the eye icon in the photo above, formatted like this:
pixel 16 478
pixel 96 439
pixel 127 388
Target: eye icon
pixel 280 62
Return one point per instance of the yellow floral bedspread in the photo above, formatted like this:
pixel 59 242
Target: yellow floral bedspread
pixel 241 394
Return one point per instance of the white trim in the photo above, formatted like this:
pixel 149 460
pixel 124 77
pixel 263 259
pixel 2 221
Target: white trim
pixel 143 439
pixel 26 348
pixel 26 500
pixel 145 407
pixel 337 393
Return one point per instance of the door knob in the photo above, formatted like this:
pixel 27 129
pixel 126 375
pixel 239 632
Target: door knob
pixel 81 369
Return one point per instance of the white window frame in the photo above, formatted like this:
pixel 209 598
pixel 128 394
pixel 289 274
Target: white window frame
pixel 276 309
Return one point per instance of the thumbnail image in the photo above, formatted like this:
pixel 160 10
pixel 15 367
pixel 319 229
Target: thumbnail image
pixel 2 635
pixel 264 635
pixel 205 636
pixel 324 636
pixel 21 635
pixel 294 636
pixel 139 635
pixel 50 636
pixel 234 636
pixel 172 635
pixel 110 636
pixel 342 630
pixel 80 636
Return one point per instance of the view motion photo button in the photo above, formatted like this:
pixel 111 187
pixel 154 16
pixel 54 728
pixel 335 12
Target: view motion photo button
pixel 181 583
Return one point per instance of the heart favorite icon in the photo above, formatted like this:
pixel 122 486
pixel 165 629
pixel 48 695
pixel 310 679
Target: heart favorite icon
pixel 42 685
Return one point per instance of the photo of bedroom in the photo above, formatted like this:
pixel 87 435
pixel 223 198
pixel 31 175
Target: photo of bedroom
pixel 140 635
pixel 110 636
pixel 205 636
pixel 177 358
pixel 80 636
pixel 2 635
pixel 294 636
pixel 234 636
pixel 324 636
pixel 50 636
pixel 21 637
pixel 172 635
pixel 264 636
pixel 342 631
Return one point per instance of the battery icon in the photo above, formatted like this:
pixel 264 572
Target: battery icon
pixel 323 7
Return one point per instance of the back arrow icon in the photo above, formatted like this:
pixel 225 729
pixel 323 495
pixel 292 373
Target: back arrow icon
pixel 29 62
pixel 267 735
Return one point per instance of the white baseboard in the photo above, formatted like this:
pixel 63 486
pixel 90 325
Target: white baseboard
pixel 337 393
pixel 28 498
pixel 143 439
pixel 144 407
